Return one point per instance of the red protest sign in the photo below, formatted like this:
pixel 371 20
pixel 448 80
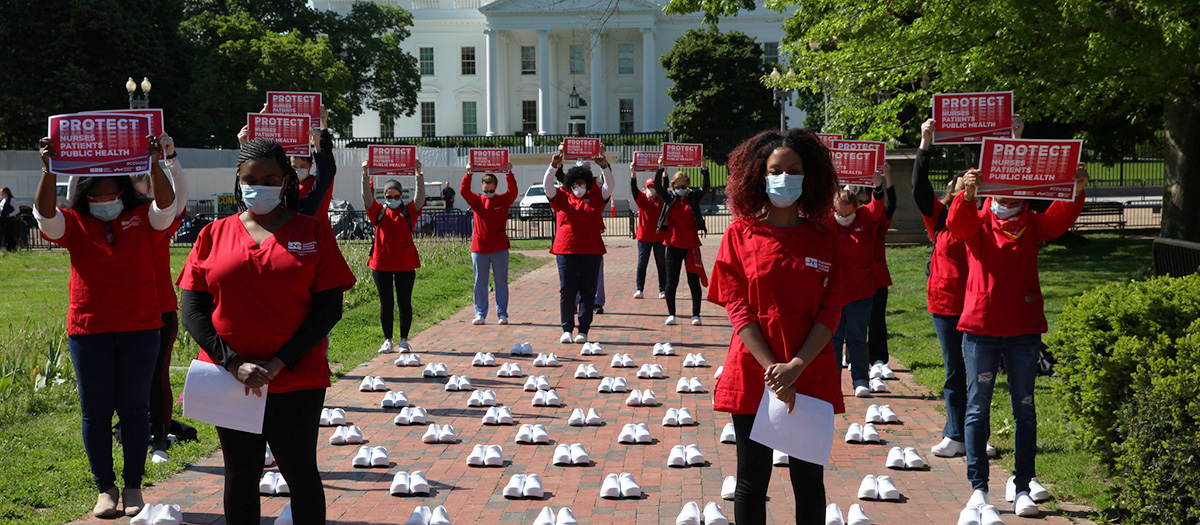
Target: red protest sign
pixel 99 144
pixel 855 167
pixel 1029 169
pixel 828 138
pixel 295 103
pixel 486 160
pixel 880 148
pixel 391 161
pixel 290 131
pixel 155 114
pixel 965 118
pixel 580 148
pixel 682 155
pixel 645 161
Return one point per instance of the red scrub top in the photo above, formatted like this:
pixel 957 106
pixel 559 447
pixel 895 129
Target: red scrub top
pixel 883 277
pixel 682 232
pixel 394 249
pixel 112 286
pixel 262 293
pixel 1004 296
pixel 784 278
pixel 579 222
pixel 489 234
pixel 858 251
pixel 946 284
pixel 164 278
pixel 649 210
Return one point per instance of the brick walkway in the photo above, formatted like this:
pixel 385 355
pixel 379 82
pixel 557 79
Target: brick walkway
pixel 472 495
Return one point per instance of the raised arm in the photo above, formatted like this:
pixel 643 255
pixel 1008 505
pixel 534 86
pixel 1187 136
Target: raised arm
pixel 464 189
pixel 45 208
pixel 549 179
pixel 419 198
pixel 182 189
pixel 510 186
pixel 162 211
pixel 963 220
pixel 706 183
pixel 1061 215
pixel 923 193
pixel 368 194
pixel 889 192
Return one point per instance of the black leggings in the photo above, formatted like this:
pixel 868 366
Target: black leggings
pixel 162 400
pixel 290 426
pixel 754 473
pixel 877 335
pixel 675 259
pixel 403 281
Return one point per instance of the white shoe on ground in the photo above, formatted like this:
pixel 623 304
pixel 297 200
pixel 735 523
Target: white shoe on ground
pixel 949 448
pixel 1024 506
pixel 670 321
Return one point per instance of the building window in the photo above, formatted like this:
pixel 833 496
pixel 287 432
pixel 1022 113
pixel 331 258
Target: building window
pixel 387 126
pixel 428 120
pixel 529 123
pixel 770 53
pixel 528 60
pixel 469 121
pixel 426 58
pixel 626 117
pixel 625 59
pixel 468 60
pixel 576 59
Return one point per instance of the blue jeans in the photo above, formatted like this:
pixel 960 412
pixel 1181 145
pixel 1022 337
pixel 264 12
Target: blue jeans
pixel 498 262
pixel 955 387
pixel 982 355
pixel 645 249
pixel 852 330
pixel 577 276
pixel 599 289
pixel 114 371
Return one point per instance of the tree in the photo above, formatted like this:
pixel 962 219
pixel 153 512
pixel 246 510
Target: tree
pixel 716 90
pixel 1110 72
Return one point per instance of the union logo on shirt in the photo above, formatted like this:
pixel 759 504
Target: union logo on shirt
pixel 302 248
pixel 132 222
pixel 819 265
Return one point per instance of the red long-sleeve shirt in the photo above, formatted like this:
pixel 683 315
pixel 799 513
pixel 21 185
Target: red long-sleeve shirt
pixel 490 230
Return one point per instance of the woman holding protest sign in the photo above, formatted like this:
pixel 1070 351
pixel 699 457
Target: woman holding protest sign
pixel 776 275
pixel 394 259
pixel 113 318
pixel 877 334
pixel 649 239
pixel 489 239
pixel 261 291
pixel 681 224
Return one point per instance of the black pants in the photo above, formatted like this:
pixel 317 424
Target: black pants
pixel 290 427
pixel 675 259
pixel 162 400
pixel 403 281
pixel 754 473
pixel 8 232
pixel 577 277
pixel 877 334
pixel 645 249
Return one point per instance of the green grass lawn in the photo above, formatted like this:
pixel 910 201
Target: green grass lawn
pixel 44 476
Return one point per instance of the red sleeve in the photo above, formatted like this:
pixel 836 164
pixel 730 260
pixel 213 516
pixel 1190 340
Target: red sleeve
pixel 875 211
pixel 830 312
pixel 729 286
pixel 468 196
pixel 332 270
pixel 71 223
pixel 373 213
pixel 1059 217
pixel 510 194
pixel 640 199
pixel 559 200
pixel 963 220
pixel 193 276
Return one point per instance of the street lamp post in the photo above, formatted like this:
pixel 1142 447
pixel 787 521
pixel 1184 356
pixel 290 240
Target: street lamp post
pixel 782 96
pixel 138 100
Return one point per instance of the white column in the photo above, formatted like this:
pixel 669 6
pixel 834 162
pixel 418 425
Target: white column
pixel 543 71
pixel 551 125
pixel 598 95
pixel 493 72
pixel 649 73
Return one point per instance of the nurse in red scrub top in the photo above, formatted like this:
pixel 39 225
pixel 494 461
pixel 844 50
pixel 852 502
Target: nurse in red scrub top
pixel 261 291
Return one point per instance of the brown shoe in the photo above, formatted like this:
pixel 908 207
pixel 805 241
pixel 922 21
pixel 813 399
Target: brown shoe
pixel 132 499
pixel 106 505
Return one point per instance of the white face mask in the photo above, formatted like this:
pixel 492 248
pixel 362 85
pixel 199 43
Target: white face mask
pixel 845 220
pixel 783 189
pixel 261 200
pixel 1004 212
pixel 303 173
pixel 579 191
pixel 394 203
pixel 650 193
pixel 106 210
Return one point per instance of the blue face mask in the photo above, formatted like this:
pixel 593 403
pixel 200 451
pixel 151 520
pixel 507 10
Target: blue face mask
pixel 784 189
pixel 106 210
pixel 680 192
pixel 394 204
pixel 1004 212
pixel 261 200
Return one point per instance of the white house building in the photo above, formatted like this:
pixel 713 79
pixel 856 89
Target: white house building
pixel 499 67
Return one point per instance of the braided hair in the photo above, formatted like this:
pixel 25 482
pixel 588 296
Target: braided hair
pixel 269 149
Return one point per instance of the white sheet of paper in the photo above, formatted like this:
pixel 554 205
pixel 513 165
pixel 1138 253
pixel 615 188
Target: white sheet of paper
pixel 211 394
pixel 805 434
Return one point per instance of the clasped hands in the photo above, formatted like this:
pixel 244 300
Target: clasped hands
pixel 781 377
pixel 256 374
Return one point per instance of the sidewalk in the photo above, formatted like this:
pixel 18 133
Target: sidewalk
pixel 472 495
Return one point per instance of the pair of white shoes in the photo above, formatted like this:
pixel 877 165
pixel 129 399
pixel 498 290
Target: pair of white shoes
pixel 498 416
pixel 862 433
pixel 635 433
pixel 882 371
pixel 158 515
pixel 406 484
pixel 458 384
pixel 423 516
pixel 650 371
pixel 645 398
pixel 979 512
pixel 532 435
pixel 579 419
pixel 346 435
pixel 394 400
pixel 486 456
pixel 565 338
pixel 368 457
pixel 1037 492
pixel 411 416
pixel 681 417
pixel 663 349
pixel 408 360
pixel 372 384
pixel 524 486
pixel 537 383
pixel 565 517
pixel 621 361
pixel 620 486
pixel 878 386
pixel 587 371
pixel 906 459
pixel 728 434
pixel 573 454
pixel 485 398
pixel 881 414
pixel 609 385
pixel 546 398
pixel 672 322
pixel 509 370
pixel 694 360
pixel 435 370
pixel 685 456
pixel 546 360
pixel 686 386
pixel 691 515
pixel 833 515
pixel 522 349
pixel 483 359
pixel 442 434
pixel 272 483
pixel 332 416
pixel 590 348
pixel 949 448
pixel 878 488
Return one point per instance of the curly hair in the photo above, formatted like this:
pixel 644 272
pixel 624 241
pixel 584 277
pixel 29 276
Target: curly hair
pixel 746 190
pixel 269 149
pixel 578 174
